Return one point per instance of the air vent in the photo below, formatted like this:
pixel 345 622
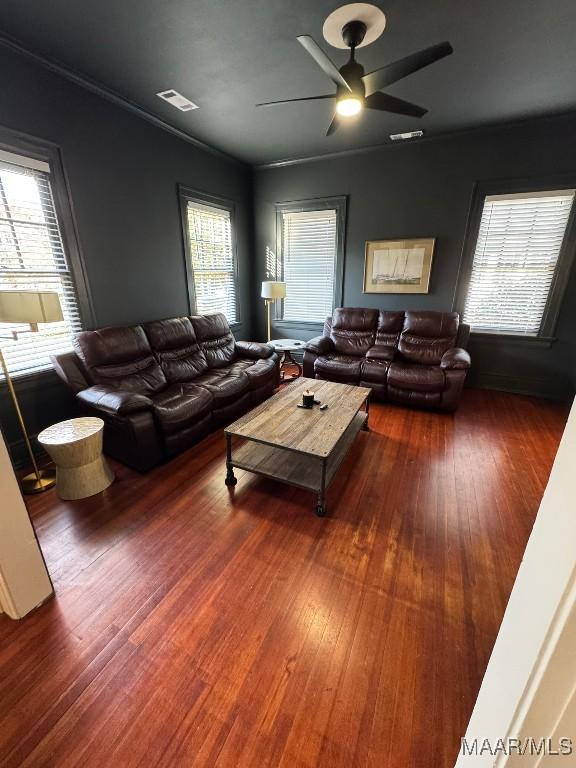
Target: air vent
pixel 404 136
pixel 177 100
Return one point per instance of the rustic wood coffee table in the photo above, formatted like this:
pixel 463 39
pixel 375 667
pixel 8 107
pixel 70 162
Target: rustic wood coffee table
pixel 298 446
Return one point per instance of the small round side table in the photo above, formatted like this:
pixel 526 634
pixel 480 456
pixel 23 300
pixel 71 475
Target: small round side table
pixel 75 446
pixel 285 347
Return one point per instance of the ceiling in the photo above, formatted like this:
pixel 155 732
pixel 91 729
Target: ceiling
pixel 513 59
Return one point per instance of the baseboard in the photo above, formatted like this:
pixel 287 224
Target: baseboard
pixel 550 388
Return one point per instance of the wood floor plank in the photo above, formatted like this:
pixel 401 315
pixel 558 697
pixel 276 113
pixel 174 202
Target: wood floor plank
pixel 198 625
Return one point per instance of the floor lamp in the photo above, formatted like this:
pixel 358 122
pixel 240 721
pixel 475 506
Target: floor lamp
pixel 30 307
pixel 272 290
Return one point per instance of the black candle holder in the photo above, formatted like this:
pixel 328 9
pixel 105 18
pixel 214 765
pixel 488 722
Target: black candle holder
pixel 308 399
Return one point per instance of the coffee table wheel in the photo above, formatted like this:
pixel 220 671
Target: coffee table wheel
pixel 320 510
pixel 231 480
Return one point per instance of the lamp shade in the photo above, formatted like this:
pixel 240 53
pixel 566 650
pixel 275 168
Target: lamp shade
pixel 273 289
pixel 30 307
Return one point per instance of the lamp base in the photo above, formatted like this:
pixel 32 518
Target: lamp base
pixel 31 484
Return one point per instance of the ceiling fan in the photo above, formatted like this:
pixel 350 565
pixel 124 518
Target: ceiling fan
pixel 354 89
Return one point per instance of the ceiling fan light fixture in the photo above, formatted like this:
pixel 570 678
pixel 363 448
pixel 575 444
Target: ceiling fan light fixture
pixel 349 106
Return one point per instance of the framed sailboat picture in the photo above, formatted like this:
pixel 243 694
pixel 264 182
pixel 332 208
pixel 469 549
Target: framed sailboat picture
pixel 398 266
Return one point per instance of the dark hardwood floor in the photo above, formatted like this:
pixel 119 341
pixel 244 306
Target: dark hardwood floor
pixel 194 626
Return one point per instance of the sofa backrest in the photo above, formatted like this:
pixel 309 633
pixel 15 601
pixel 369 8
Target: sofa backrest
pixel 353 331
pixel 426 336
pixel 176 348
pixel 215 339
pixel 121 358
pixel 389 328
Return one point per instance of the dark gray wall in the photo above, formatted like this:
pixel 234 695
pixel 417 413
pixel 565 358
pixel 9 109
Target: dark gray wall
pixel 123 174
pixel 424 189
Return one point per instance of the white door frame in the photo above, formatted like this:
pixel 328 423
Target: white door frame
pixel 24 579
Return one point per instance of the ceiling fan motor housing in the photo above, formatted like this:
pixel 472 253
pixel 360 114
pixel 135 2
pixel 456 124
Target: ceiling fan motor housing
pixel 352 72
pixel 353 33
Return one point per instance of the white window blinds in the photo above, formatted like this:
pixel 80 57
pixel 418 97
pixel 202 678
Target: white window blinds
pixel 517 250
pixel 32 257
pixel 309 264
pixel 212 256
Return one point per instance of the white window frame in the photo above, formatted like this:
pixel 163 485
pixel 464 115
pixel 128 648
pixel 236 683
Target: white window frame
pixel 339 204
pixel 45 156
pixel 511 188
pixel 204 200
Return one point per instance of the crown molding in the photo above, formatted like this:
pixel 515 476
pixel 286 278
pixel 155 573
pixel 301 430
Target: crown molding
pixel 398 145
pixel 110 95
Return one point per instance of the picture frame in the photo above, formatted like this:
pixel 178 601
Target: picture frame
pixel 398 266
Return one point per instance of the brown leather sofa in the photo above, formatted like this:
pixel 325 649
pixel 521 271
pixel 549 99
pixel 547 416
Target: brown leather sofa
pixel 162 386
pixel 416 358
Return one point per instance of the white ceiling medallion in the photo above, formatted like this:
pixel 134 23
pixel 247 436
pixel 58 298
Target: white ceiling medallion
pixel 372 16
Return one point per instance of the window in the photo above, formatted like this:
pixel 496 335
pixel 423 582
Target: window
pixel 33 257
pixel 211 263
pixel 311 253
pixel 516 259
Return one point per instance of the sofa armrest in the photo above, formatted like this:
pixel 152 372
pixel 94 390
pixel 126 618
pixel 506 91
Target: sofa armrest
pixel 69 367
pixel 456 359
pixel 320 345
pixel 384 352
pixel 115 402
pixel 254 350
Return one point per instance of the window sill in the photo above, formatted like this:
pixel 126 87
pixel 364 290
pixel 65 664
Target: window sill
pixel 544 342
pixel 24 381
pixel 305 324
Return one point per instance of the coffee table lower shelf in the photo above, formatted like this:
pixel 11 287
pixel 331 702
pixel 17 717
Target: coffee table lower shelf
pixel 313 473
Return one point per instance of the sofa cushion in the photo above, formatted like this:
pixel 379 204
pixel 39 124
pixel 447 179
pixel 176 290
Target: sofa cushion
pixel 215 339
pixel 174 343
pixel 179 406
pixel 426 336
pixel 224 386
pixel 353 331
pixel 344 368
pixel 121 358
pixel 238 366
pixel 418 378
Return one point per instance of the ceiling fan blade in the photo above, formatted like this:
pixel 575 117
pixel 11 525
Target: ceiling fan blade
pixel 386 103
pixel 391 73
pixel 291 101
pixel 334 125
pixel 322 60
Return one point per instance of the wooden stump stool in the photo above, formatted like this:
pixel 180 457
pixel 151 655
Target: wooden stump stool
pixel 75 446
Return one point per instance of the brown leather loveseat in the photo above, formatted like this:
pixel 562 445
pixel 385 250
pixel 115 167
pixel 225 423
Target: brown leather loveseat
pixel 162 386
pixel 417 358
